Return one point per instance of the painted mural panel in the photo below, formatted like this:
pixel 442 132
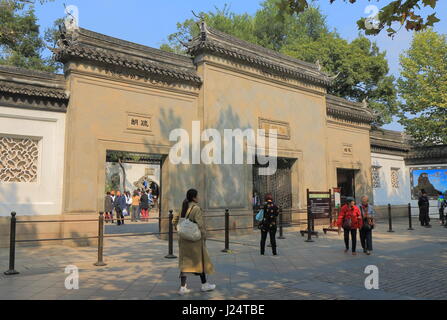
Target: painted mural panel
pixel 432 179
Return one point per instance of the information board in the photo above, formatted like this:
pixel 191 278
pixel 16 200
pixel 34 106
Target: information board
pixel 319 204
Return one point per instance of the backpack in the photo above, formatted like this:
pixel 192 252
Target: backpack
pixel 187 229
pixel 260 215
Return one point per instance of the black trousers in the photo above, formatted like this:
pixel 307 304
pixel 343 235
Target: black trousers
pixel 272 233
pixel 366 239
pixel 353 233
pixel 183 278
pixel 424 217
pixel 119 216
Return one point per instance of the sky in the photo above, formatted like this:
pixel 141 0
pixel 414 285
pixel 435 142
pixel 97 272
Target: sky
pixel 149 22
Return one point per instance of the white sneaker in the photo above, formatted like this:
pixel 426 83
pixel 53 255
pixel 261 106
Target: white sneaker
pixel 183 290
pixel 208 287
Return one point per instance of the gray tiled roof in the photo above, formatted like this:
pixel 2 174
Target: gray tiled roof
pixel 219 43
pixel 343 109
pixel 21 81
pixel 144 61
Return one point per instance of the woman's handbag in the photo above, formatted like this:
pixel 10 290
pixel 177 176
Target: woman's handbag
pixel 187 229
pixel 347 222
pixel 125 213
pixel 260 215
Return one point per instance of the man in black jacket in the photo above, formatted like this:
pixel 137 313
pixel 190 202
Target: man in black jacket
pixel 424 207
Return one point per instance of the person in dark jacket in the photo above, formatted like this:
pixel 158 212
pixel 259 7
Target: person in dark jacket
pixel 368 215
pixel 108 207
pixel 144 203
pixel 424 207
pixel 120 204
pixel 268 224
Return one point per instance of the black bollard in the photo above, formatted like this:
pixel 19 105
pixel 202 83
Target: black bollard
pixel 227 231
pixel 309 225
pixel 410 226
pixel 12 246
pixel 281 235
pixel 390 223
pixel 100 262
pixel 170 237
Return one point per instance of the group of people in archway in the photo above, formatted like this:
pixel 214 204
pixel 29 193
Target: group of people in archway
pixel 136 205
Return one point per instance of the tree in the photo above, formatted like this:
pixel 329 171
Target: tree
pixel 361 67
pixel 400 11
pixel 423 87
pixel 21 44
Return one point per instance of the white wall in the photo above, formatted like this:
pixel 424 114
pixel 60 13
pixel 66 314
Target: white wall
pixel 386 193
pixel 43 197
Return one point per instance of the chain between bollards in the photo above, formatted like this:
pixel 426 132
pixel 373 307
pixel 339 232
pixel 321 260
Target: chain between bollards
pixel 410 226
pixel 171 237
pixel 100 262
pixel 12 246
pixel 227 231
pixel 281 236
pixel 390 222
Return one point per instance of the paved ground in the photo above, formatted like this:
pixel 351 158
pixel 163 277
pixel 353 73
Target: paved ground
pixel 412 265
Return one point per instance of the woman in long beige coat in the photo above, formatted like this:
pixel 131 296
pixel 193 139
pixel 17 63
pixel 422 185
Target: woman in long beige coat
pixel 193 255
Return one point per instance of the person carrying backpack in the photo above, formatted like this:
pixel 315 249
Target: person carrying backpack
pixel 268 224
pixel 350 219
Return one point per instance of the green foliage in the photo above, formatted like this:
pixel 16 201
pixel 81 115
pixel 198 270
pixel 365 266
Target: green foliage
pixel 362 67
pixel 423 88
pixel 400 11
pixel 20 42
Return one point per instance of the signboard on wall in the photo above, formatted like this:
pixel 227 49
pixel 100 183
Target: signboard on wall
pixel 138 122
pixel 431 179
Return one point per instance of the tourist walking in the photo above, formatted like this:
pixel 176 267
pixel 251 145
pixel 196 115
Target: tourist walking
pixel 135 207
pixel 442 204
pixel 108 208
pixel 424 208
pixel 351 220
pixel 144 203
pixel 128 202
pixel 119 204
pixel 193 255
pixel 268 224
pixel 368 216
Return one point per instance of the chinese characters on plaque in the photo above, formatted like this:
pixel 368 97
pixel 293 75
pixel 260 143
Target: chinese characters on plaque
pixel 138 122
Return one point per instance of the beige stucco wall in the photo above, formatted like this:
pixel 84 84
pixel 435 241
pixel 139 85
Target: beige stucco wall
pixel 236 96
pixel 97 122
pixel 357 136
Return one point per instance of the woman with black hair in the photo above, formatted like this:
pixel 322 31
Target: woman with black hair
pixel 193 255
pixel 268 225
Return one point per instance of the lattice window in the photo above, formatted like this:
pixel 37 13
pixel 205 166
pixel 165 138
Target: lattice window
pixel 18 159
pixel 394 178
pixel 375 174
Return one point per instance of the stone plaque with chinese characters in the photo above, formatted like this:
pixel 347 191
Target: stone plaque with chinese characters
pixel 347 149
pixel 282 128
pixel 138 122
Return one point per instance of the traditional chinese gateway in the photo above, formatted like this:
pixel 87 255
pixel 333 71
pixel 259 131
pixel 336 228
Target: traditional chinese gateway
pixel 56 131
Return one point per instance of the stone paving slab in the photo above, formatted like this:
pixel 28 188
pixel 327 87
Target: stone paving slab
pixel 411 266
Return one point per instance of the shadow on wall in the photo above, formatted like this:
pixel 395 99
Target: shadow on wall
pixel 227 184
pixel 24 231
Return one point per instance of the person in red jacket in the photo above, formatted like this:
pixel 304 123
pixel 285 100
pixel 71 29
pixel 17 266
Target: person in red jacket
pixel 350 219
